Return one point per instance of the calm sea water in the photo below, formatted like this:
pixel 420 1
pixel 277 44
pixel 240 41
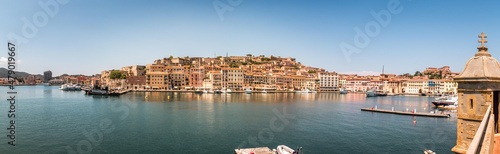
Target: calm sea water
pixel 51 121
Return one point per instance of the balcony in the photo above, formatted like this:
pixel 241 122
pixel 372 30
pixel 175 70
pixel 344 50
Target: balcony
pixel 485 137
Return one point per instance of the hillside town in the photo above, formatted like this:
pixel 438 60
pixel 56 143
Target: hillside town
pixel 270 73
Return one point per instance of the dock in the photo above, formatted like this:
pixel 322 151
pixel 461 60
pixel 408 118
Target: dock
pixel 407 113
pixel 260 150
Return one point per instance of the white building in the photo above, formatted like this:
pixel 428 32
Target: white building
pixel 328 81
pixel 415 86
pixel 232 78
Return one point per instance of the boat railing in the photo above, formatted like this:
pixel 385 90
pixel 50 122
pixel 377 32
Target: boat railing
pixel 483 141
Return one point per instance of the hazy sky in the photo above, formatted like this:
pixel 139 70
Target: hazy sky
pixel 88 36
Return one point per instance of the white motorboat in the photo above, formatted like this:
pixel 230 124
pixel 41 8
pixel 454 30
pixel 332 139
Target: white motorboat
pixel 449 101
pixel 228 90
pixel 211 91
pixel 248 91
pixel 63 87
pixel 343 91
pixel 371 93
pixel 68 87
pixel 283 149
pixel 429 152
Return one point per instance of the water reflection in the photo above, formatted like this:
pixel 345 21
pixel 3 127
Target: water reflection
pixel 419 103
pixel 163 97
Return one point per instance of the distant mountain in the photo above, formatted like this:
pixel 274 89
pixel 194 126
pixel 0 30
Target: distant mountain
pixel 5 73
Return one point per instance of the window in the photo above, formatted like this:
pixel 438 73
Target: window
pixel 471 106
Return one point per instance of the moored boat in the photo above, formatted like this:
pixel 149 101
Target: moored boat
pixel 96 92
pixel 448 101
pixel 248 91
pixel 218 91
pixel 283 149
pixel 69 87
pixel 198 91
pixel 343 91
pixel 380 93
pixel 370 93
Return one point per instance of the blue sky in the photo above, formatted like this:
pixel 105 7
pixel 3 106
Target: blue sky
pixel 86 37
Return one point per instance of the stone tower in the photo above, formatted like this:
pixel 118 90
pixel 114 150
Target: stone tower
pixel 478 87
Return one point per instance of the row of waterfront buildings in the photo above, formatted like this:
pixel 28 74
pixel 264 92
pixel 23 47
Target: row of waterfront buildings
pixel 269 73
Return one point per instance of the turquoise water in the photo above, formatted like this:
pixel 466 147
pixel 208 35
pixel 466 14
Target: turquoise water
pixel 51 121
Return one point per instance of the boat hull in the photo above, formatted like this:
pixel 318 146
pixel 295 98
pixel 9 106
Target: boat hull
pixel 283 149
pixel 444 103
